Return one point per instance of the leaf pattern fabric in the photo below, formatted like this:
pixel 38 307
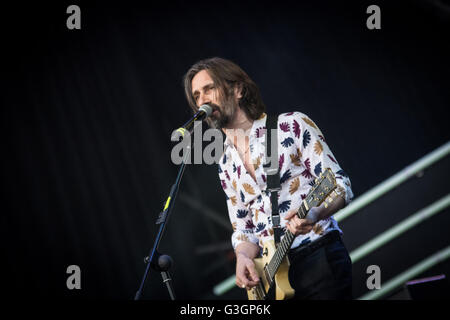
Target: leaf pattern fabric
pixel 242 213
pixel 287 142
pixel 248 188
pixel 318 169
pixel 318 148
pixel 294 185
pixel 296 129
pixel 284 126
pixel 309 122
pixel 306 138
pixel 296 158
pixel 284 206
pixel 286 175
pixel 281 161
pixel 303 155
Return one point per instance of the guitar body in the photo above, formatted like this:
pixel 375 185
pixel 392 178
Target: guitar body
pixel 283 289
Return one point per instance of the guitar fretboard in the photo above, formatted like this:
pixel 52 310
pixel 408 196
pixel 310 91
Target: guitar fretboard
pixel 283 247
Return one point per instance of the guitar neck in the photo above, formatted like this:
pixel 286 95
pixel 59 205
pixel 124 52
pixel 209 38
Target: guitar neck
pixel 284 246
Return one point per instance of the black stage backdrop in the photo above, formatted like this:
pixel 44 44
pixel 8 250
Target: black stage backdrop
pixel 87 117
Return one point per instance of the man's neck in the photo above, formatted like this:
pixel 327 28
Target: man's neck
pixel 240 122
pixel 239 132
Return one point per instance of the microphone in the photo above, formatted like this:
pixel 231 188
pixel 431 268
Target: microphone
pixel 203 112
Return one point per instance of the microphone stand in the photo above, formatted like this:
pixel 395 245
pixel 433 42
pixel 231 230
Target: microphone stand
pixel 156 260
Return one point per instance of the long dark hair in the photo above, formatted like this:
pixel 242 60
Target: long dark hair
pixel 227 76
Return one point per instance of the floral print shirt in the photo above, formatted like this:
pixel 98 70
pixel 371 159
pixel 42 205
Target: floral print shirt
pixel 303 154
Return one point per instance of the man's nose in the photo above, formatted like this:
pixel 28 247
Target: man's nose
pixel 203 99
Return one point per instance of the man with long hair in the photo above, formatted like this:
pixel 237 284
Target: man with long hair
pixel 320 267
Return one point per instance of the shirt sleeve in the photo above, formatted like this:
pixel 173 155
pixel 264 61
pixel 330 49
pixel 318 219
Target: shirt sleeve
pixel 317 156
pixel 240 217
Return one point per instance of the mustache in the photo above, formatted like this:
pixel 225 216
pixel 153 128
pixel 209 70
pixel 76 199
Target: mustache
pixel 214 107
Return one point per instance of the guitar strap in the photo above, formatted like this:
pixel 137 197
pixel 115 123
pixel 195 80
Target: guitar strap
pixel 273 174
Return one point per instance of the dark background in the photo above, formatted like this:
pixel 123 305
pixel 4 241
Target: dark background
pixel 87 117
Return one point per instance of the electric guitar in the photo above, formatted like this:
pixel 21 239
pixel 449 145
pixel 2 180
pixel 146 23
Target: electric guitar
pixel 273 266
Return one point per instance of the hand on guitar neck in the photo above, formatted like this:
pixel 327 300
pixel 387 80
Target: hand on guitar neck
pixel 302 226
pixel 299 226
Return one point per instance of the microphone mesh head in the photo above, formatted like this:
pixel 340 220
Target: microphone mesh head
pixel 206 108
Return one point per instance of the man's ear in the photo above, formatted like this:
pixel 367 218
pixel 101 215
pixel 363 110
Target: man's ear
pixel 238 91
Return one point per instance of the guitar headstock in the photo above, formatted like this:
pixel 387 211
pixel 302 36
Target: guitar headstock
pixel 323 190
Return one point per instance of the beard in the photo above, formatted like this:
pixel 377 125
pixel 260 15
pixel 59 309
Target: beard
pixel 224 115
